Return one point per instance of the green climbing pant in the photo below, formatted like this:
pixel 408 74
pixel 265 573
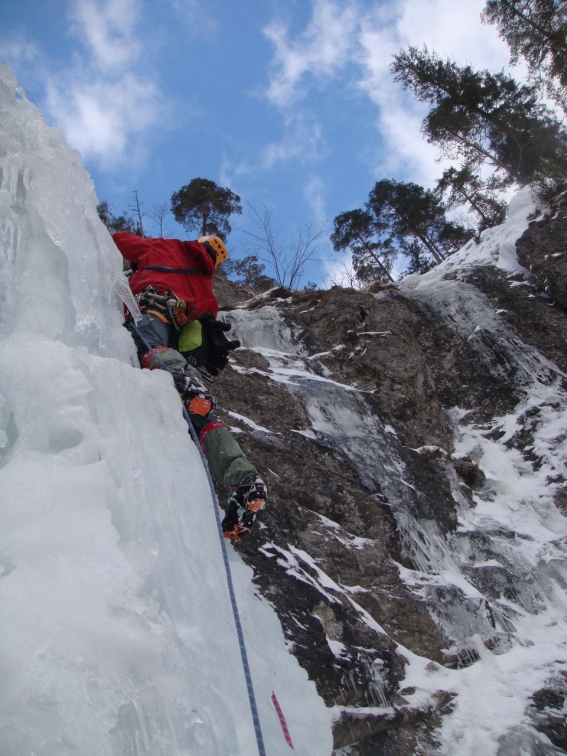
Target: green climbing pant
pixel 225 457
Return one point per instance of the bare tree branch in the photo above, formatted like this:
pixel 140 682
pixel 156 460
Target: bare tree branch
pixel 345 277
pixel 136 208
pixel 158 215
pixel 285 252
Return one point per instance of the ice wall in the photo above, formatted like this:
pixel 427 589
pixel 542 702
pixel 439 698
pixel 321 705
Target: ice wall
pixel 116 631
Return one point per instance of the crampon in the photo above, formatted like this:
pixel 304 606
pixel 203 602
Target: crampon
pixel 234 534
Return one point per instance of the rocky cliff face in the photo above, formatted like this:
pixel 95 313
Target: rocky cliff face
pixel 414 443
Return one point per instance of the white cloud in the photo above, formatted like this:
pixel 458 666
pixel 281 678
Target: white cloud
pixel 451 30
pixel 105 104
pixel 106 121
pixel 107 28
pixel 196 17
pixel 303 140
pixel 232 171
pixel 314 194
pixel 17 49
pixel 362 38
pixel 320 51
pixel 398 119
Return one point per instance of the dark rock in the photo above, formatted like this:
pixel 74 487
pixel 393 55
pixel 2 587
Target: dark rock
pixel 549 711
pixel 227 292
pixel 469 471
pixel 535 318
pixel 353 726
pixel 543 251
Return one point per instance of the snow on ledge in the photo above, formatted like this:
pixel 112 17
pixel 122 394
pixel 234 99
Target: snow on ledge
pixel 497 246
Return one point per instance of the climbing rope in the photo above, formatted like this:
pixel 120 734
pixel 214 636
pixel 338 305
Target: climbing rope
pixel 235 612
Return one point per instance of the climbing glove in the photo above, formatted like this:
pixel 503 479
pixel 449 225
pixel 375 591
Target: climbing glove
pixel 219 346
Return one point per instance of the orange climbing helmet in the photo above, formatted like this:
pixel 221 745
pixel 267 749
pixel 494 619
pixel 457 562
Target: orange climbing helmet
pixel 216 244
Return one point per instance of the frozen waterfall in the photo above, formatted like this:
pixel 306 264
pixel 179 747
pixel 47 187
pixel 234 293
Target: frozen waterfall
pixel 117 636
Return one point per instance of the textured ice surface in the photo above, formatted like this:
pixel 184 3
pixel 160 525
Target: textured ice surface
pixel 116 631
pixel 266 329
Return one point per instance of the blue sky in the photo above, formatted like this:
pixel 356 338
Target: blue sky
pixel 288 103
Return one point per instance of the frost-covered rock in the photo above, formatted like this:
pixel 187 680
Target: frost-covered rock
pixel 415 546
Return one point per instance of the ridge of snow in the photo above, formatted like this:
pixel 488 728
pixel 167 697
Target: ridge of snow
pixel 248 422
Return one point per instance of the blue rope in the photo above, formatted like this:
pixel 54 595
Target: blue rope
pixel 216 507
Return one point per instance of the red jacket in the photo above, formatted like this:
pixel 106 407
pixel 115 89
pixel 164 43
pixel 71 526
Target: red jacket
pixel 196 289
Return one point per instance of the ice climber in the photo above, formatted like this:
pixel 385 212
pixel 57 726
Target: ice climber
pixel 172 283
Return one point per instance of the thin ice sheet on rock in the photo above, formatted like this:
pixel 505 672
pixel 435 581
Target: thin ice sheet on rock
pixel 511 545
pixel 499 579
pixel 264 327
pixel 116 629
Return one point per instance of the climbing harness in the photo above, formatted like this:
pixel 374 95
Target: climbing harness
pixel 165 305
pixel 235 612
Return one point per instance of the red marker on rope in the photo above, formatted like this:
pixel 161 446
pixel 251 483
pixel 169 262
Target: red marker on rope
pixel 282 721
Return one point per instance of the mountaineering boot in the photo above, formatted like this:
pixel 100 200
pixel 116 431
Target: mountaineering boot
pixel 246 501
pixel 257 496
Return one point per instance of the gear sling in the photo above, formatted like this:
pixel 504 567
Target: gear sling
pixel 172 310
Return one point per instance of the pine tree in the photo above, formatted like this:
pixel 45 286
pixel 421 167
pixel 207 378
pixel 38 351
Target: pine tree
pixel 372 256
pixel 414 214
pixel 249 272
pixel 465 187
pixel 399 219
pixel 205 207
pixel 417 262
pixel 480 117
pixel 535 30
